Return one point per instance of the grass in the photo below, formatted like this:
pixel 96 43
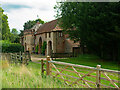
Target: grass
pixel 16 76
pixel 30 76
pixel 85 71
pixel 91 60
pixel 87 60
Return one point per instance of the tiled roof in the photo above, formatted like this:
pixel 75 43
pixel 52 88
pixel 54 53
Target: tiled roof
pixel 28 30
pixel 48 27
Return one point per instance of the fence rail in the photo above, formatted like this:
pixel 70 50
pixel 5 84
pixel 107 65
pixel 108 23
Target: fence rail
pixel 62 55
pixel 15 58
pixel 80 75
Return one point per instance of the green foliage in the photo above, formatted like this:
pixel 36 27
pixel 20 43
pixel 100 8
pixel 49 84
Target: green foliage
pixel 95 25
pixel 29 24
pixel 14 38
pixel 8 47
pixel 14 31
pixel 5 28
pixel 21 33
pixel 44 47
pixel 36 48
pixel 5 32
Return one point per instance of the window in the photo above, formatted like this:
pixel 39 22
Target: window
pixel 49 34
pixel 60 34
pixel 45 35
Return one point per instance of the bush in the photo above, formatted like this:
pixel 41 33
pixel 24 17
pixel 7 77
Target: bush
pixel 8 47
pixel 44 47
pixel 36 49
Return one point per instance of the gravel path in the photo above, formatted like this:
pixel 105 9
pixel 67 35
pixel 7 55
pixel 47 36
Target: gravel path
pixel 37 58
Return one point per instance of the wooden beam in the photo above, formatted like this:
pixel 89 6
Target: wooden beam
pixel 110 80
pixel 80 76
pixel 98 76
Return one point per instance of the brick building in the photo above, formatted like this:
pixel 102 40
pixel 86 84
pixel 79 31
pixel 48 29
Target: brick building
pixel 57 41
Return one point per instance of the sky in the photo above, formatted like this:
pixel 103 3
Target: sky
pixel 20 11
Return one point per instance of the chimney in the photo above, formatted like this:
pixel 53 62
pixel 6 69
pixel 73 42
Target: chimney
pixel 38 22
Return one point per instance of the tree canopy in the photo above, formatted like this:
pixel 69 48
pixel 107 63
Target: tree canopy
pixel 96 25
pixel 29 24
pixel 5 33
pixel 4 26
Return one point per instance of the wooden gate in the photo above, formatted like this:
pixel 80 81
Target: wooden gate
pixel 82 76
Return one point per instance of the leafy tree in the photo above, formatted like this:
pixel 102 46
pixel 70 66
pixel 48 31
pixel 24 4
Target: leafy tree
pixel 29 24
pixel 14 31
pixel 21 33
pixel 95 25
pixel 14 38
pixel 5 27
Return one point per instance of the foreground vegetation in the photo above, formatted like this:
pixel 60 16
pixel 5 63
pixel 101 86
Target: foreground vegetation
pixel 27 77
pixel 20 76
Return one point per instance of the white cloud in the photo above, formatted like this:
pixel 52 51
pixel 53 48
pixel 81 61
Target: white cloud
pixel 42 8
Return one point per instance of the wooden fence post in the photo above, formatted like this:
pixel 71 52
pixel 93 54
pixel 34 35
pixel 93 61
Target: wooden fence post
pixel 42 67
pixel 29 56
pixel 98 76
pixel 15 58
pixel 48 66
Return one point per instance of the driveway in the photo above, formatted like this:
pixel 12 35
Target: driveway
pixel 37 57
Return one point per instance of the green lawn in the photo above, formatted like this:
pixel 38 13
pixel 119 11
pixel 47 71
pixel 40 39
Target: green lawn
pixel 91 60
pixel 87 60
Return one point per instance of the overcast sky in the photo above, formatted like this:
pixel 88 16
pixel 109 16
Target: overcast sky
pixel 20 11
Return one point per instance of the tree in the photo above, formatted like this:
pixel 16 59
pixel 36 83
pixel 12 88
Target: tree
pixel 14 31
pixel 14 38
pixel 5 27
pixel 21 33
pixel 29 24
pixel 95 25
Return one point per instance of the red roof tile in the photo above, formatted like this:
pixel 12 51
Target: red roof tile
pixel 48 27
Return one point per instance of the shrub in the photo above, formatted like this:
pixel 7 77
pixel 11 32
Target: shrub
pixel 8 47
pixel 36 49
pixel 44 47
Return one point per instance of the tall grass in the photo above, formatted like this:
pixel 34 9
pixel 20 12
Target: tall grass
pixel 27 77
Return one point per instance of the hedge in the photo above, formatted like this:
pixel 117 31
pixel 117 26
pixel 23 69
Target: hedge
pixel 8 47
